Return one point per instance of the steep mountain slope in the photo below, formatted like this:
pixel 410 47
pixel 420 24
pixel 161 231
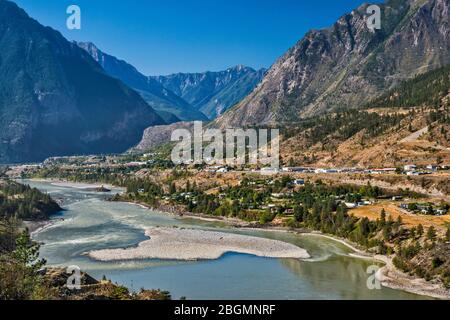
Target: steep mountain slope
pixel 410 124
pixel 56 100
pixel 347 64
pixel 426 89
pixel 213 92
pixel 164 101
pixel 159 135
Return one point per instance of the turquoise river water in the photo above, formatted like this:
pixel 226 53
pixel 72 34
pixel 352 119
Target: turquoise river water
pixel 89 222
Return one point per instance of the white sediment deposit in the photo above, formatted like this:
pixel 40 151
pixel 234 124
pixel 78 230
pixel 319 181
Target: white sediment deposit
pixel 191 244
pixel 78 185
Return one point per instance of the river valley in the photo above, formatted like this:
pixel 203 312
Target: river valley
pixel 90 222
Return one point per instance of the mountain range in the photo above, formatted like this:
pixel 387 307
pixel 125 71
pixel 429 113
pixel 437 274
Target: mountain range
pixel 338 92
pixel 169 105
pixel 63 98
pixel 183 96
pixel 56 100
pixel 213 92
pixel 348 64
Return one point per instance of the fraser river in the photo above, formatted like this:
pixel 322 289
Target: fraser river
pixel 89 223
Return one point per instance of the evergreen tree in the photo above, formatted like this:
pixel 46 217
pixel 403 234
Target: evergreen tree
pixel 420 230
pixel 431 233
pixel 383 217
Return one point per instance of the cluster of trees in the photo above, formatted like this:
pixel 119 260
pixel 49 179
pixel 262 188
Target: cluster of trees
pixel 23 202
pixel 385 235
pixel 343 125
pixel 19 264
pixel 426 89
pixel 428 261
pixel 107 175
pixel 316 208
pixel 19 255
pixel 142 190
pixel 239 201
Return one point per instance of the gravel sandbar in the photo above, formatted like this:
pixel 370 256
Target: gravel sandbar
pixel 192 244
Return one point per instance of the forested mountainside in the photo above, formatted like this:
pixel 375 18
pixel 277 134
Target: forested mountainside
pixel 56 100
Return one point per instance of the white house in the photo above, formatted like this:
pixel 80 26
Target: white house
pixel 410 167
pixel 298 182
pixel 269 170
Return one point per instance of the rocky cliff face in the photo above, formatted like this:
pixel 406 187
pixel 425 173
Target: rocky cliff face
pixel 157 135
pixel 56 100
pixel 347 64
pixel 213 92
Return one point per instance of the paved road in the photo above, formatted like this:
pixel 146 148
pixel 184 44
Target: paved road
pixel 415 136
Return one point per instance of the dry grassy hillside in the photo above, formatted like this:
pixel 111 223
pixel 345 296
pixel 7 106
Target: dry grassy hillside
pixel 413 140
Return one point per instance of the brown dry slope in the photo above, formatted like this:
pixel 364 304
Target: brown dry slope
pixel 347 64
pixel 411 141
pixel 373 212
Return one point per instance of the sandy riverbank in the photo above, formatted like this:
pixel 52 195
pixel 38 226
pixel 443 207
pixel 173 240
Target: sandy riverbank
pixel 82 186
pixel 191 244
pixel 391 277
pixel 35 227
pixel 181 214
pixel 75 185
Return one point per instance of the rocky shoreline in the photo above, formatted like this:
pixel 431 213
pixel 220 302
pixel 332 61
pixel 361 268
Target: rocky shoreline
pixel 37 226
pixel 391 277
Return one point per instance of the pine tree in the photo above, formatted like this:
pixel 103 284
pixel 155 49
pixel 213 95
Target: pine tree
pixel 420 230
pixel 398 223
pixel 383 217
pixel 431 233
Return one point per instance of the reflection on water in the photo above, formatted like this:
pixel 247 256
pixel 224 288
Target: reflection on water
pixel 91 223
pixel 343 276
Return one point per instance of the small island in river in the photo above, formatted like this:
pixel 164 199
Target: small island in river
pixel 192 244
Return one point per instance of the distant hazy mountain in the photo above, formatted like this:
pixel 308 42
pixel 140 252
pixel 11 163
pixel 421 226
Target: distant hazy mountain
pixel 213 92
pixel 168 105
pixel 347 64
pixel 56 100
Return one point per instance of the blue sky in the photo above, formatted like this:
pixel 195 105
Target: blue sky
pixel 168 36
